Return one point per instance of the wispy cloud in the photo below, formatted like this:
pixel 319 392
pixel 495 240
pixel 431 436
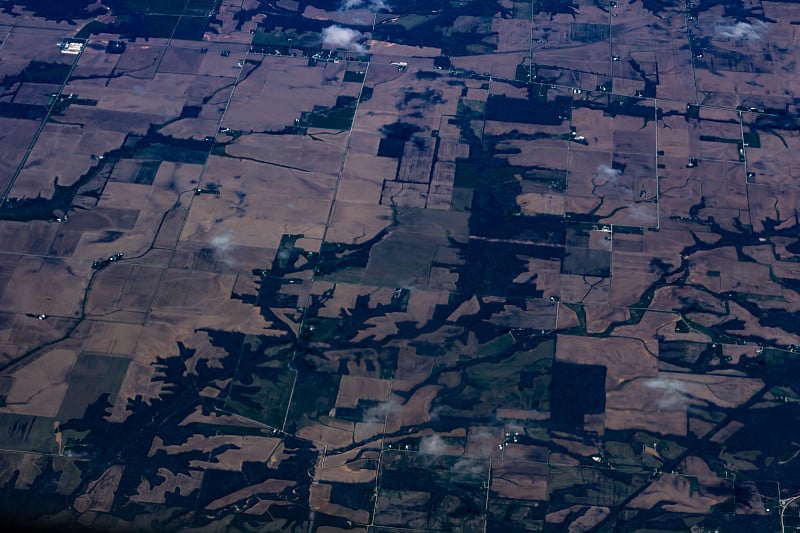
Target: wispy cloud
pixel 611 182
pixel 380 412
pixel 673 392
pixel 742 31
pixel 641 212
pixel 340 37
pixel 467 466
pixel 606 174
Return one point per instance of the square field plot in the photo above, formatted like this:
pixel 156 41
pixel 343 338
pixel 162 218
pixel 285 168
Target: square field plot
pixel 631 130
pixel 425 492
pixel 734 60
pixel 259 202
pixel 262 384
pixel 42 282
pixel 92 376
pixel 32 56
pixel 278 90
pixel 717 134
pixel 771 145
pixel 16 135
pixel 123 289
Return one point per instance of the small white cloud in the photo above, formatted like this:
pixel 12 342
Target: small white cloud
pixel 372 5
pixel 222 243
pixel 222 246
pixel 339 37
pixel 741 31
pixel 432 445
